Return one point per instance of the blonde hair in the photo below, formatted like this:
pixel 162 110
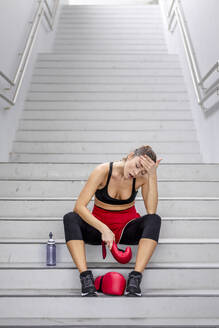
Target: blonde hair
pixel 143 150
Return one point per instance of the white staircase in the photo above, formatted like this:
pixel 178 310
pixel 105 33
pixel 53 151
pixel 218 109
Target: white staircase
pixel 108 87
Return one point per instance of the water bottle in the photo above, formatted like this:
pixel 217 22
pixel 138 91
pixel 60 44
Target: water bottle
pixel 51 251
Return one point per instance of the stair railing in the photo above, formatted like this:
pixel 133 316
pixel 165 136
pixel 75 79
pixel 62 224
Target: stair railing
pixel 15 83
pixel 202 93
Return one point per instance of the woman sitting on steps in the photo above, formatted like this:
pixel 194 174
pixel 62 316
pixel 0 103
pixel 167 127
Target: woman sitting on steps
pixel 114 216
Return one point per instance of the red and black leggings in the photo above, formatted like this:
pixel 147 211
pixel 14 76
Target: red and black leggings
pixel 146 226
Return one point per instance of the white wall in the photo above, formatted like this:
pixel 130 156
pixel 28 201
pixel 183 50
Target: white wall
pixel 203 24
pixel 14 27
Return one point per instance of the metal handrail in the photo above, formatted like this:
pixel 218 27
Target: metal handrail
pixel 16 82
pixel 202 93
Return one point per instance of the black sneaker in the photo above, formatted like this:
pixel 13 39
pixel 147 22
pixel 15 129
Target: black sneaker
pixel 133 284
pixel 87 284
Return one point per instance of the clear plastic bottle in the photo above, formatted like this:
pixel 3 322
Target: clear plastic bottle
pixel 51 251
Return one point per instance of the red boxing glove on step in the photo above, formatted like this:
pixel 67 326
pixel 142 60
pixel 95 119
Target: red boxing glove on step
pixel 120 255
pixel 112 283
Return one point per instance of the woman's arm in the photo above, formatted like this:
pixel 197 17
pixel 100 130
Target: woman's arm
pixel 150 188
pixel 152 197
pixel 86 194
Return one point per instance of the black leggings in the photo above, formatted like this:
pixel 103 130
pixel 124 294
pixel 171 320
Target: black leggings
pixel 146 226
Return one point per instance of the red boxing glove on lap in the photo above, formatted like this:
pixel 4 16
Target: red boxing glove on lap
pixel 112 283
pixel 119 254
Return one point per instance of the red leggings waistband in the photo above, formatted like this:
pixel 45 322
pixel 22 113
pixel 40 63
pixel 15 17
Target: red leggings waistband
pixel 127 210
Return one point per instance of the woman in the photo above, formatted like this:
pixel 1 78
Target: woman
pixel 114 216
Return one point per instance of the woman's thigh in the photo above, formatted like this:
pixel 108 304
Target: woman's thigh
pixel 146 226
pixel 76 228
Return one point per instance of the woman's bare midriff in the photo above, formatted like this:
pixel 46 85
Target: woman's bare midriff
pixel 119 188
pixel 113 207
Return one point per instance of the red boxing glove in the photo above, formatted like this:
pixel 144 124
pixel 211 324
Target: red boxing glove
pixel 112 283
pixel 119 254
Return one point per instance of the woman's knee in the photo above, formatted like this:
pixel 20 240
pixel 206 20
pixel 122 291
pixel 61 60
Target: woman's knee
pixel 152 217
pixel 71 218
pixel 73 226
pixel 151 226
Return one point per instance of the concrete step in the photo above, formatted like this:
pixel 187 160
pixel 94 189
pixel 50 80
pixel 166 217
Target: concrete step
pixel 53 207
pixel 112 20
pixel 105 96
pixel 109 72
pixel 104 57
pixel 144 20
pixel 110 125
pixel 81 171
pixel 122 11
pixel 72 64
pixel 67 136
pixel 105 115
pixel 100 88
pixel 103 147
pixel 86 29
pixel 107 105
pixel 109 28
pixel 110 49
pixel 172 250
pixel 120 16
pixel 72 188
pixel 119 6
pixel 82 34
pixel 175 83
pixel 98 42
pixel 111 323
pixel 172 227
pixel 21 276
pixel 201 303
pixel 122 6
pixel 87 158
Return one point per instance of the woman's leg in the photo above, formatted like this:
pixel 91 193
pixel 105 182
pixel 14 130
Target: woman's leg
pixel 146 248
pixel 143 231
pixel 77 251
pixel 77 233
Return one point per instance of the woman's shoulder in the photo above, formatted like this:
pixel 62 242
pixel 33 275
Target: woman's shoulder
pixel 103 168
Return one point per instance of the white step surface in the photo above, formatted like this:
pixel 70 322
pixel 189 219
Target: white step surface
pixel 66 136
pixel 77 171
pixel 108 65
pixel 101 322
pixel 172 206
pixel 55 87
pixel 87 158
pixel 105 115
pixel 63 276
pixel 107 125
pixel 126 57
pixel 110 72
pixel 103 147
pixel 172 227
pixel 72 188
pixel 67 303
pixel 171 250
pixel 109 105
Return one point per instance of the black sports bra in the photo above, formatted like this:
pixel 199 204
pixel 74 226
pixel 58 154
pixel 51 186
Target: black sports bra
pixel 104 197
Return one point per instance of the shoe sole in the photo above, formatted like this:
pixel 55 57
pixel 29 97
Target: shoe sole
pixel 132 294
pixel 89 294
